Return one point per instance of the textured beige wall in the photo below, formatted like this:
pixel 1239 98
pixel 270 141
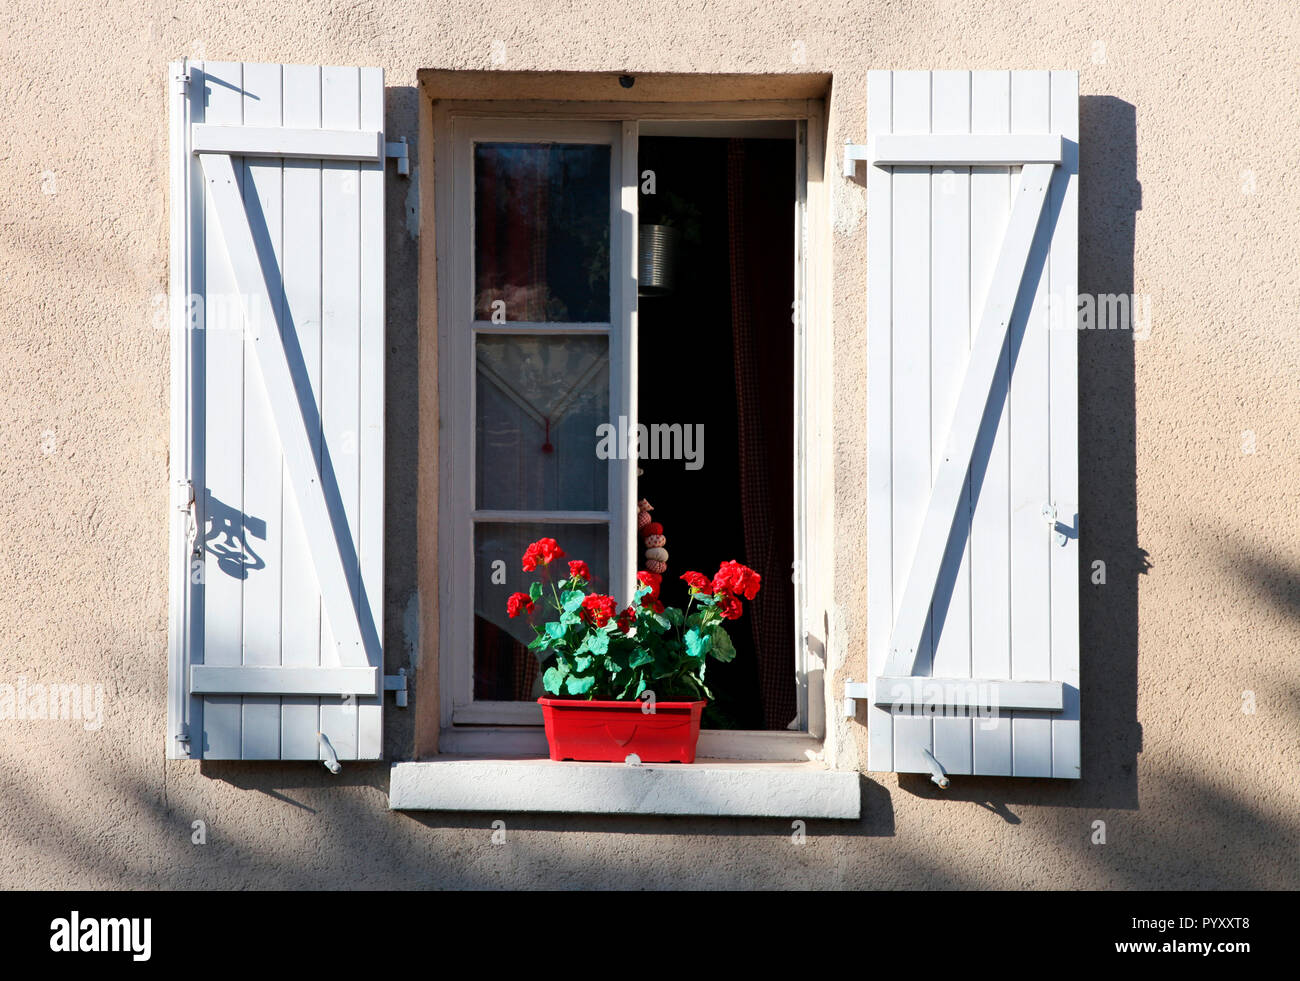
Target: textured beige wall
pixel 1188 195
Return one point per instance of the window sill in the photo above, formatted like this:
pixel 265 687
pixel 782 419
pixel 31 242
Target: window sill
pixel 497 742
pixel 713 788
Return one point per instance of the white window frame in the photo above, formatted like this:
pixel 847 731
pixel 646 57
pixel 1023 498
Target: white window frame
pixel 459 340
pixel 513 728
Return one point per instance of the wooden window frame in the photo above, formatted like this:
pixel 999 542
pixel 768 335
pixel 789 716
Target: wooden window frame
pixel 444 585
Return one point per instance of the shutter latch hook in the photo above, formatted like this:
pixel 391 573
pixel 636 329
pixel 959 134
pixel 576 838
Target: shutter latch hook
pixel 1049 515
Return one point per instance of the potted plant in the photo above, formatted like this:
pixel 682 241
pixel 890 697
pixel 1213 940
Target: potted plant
pixel 631 682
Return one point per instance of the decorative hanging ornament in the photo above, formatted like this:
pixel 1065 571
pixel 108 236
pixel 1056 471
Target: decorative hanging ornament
pixel 652 536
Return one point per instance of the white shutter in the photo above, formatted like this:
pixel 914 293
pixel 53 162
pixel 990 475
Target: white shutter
pixel 277 330
pixel 972 561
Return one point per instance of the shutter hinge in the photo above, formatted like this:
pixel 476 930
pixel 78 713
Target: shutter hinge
pixel 397 683
pixel 183 737
pixel 189 507
pixel 855 691
pixel 399 151
pixel 853 152
pixel 181 82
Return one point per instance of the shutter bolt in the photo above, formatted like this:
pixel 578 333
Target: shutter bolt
pixel 331 760
pixel 937 773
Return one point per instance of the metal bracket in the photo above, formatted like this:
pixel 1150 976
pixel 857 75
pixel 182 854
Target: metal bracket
pixel 855 691
pixel 181 83
pixel 399 151
pixel 853 152
pixel 183 737
pixel 397 683
pixel 1049 515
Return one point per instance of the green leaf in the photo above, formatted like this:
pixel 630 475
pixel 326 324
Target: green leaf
pixel 535 591
pixel 640 657
pixel 554 630
pixel 552 679
pixel 576 685
pixel 661 622
pixel 598 643
pixel 540 642
pixel 723 649
pixel 571 599
pixel 674 615
pixel 697 644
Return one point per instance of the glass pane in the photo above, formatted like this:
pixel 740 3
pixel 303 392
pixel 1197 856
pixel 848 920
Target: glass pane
pixel 540 401
pixel 541 232
pixel 504 669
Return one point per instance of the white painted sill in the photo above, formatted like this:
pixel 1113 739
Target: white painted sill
pixel 714 788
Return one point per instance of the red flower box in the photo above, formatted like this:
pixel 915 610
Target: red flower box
pixel 608 732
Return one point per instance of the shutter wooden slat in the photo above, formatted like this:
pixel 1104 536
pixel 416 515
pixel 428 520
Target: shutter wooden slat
pixel 1063 269
pixel 290 599
pixel 1031 542
pixel 264 489
pixel 300 614
pixel 951 335
pixel 969 440
pixel 221 386
pixel 991 190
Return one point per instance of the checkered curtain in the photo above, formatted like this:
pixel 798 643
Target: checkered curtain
pixel 770 614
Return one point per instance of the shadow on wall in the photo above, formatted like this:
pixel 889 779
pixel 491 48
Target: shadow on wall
pixel 294 826
pixel 1109 198
pixel 319 830
pixel 401 418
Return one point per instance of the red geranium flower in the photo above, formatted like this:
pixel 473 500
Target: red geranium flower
pixel 626 619
pixel 651 579
pixel 738 579
pixel 730 607
pixel 578 570
pixel 541 552
pixel 653 605
pixel 697 580
pixel 519 603
pixel 597 609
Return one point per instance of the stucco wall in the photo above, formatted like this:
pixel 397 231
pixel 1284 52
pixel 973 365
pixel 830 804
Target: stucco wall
pixel 1188 444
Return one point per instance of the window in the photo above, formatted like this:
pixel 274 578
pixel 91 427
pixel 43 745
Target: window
pixel 542 341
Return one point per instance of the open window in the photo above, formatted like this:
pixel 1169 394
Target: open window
pixel 621 276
